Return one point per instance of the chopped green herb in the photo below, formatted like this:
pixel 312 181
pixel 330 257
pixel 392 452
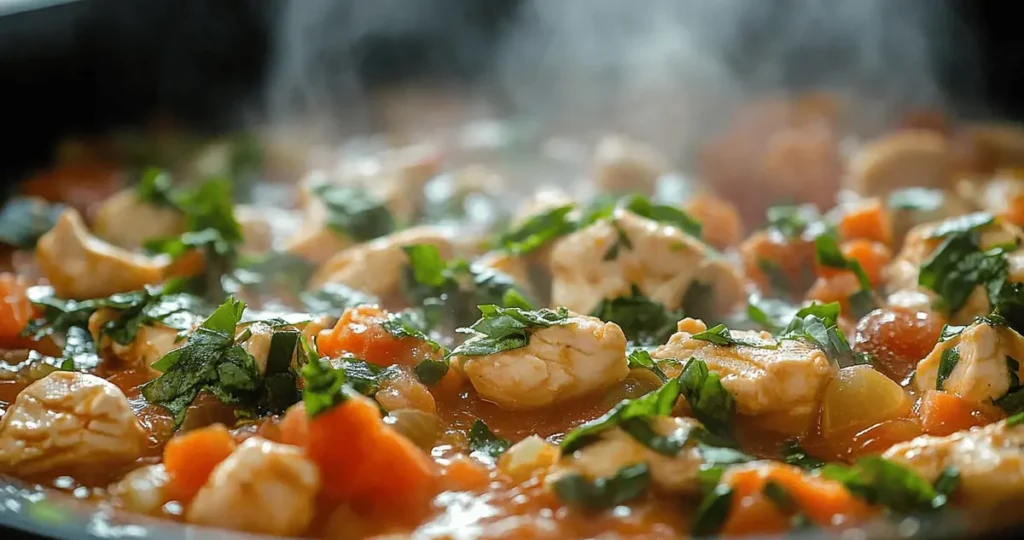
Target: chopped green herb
pixel 325 387
pixel 947 363
pixel 720 335
pixel 24 219
pixel 958 266
pixel 917 199
pixel 710 402
pixel 537 230
pixel 792 221
pixel 967 223
pixel 504 329
pixel 1012 402
pixel 483 441
pixel 656 403
pixel 334 299
pixel 1015 420
pixel 880 481
pixel 274 272
pixel 816 324
pixel 712 512
pixel 641 359
pixel 777 279
pixel 408 324
pixel 864 359
pixel 643 320
pixel 156 187
pixel 769 313
pixel 794 454
pixel 621 241
pixel 949 332
pixel 780 496
pixel 363 376
pixel 354 212
pixel 1013 371
pixel 945 485
pixel 828 254
pixel 626 485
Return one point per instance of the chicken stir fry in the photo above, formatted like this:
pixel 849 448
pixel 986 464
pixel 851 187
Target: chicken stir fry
pixel 613 360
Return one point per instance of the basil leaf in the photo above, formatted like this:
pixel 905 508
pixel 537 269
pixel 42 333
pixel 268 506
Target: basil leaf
pixel 627 484
pixel 274 272
pixel 662 213
pixel 24 219
pixel 538 230
pixel 354 212
pixel 794 454
pixel 945 485
pixel 641 359
pixel 334 299
pixel 483 441
pixel 792 221
pixel 362 376
pixel 655 403
pixel 947 363
pixel 712 512
pixel 958 266
pixel 408 324
pixel 504 329
pixel 426 263
pixel 964 224
pixel 643 320
pixel 777 279
pixel 709 401
pixel 325 387
pixel 816 324
pixel 880 481
pixel 1012 402
pixel 828 254
pixel 282 348
pixel 768 313
pixel 621 241
pixel 156 187
pixel 774 492
pixel 917 199
pixel 720 335
pixel 949 332
pixel 1015 420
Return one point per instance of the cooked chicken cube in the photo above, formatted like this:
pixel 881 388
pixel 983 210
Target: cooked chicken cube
pixel 527 457
pixel 257 232
pixel 69 421
pixel 784 379
pixel 142 490
pixel 990 461
pixel 258 342
pixel 151 342
pixel 909 158
pixel 618 449
pixel 724 224
pixel 128 222
pixel 262 487
pixel 513 266
pixel 402 390
pixel 622 165
pixel 606 259
pixel 980 369
pixel 376 266
pixel 559 363
pixel 80 266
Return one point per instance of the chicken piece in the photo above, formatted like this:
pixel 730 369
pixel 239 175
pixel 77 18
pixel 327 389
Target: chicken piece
pixel 257 233
pixel 982 371
pixel 622 165
pixel 142 490
pixel 67 421
pixel 982 149
pixel 901 159
pixel 262 487
pixel 81 266
pixel 258 343
pixel 315 240
pixel 782 383
pixel 559 363
pixel 990 460
pixel 605 259
pixel 528 456
pixel 723 226
pixel 375 267
pixel 919 206
pixel 618 449
pixel 513 266
pixel 543 200
pixel 151 342
pixel 402 390
pixel 127 222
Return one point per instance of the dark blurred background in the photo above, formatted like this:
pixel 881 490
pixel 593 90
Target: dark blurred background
pixel 86 66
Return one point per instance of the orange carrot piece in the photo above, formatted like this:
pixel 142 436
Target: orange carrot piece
pixel 15 308
pixel 822 501
pixel 463 473
pixel 942 413
pixel 192 456
pixel 837 288
pixel 359 332
pixel 869 220
pixel 872 256
pixel 363 461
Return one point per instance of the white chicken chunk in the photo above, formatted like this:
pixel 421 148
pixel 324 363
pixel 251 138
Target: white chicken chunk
pixel 262 487
pixel 81 266
pixel 375 267
pixel 258 342
pixel 559 363
pixel 783 380
pixel 151 342
pixel 618 449
pixel 907 158
pixel 69 420
pixel 142 490
pixel 990 460
pixel 128 222
pixel 606 259
pixel 622 165
pixel 979 369
pixel 257 232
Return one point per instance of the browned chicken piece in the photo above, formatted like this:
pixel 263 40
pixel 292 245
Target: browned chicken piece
pixel 900 160
pixel 622 165
pixel 79 265
pixel 127 222
pixel 981 373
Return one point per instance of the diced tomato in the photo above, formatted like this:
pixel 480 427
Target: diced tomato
pixel 943 413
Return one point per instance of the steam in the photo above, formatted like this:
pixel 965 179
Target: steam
pixel 666 71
